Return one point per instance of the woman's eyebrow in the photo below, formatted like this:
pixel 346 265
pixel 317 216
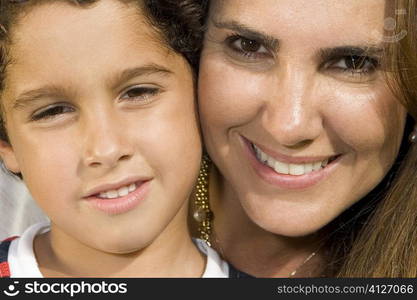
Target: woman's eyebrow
pixel 267 40
pixel 327 54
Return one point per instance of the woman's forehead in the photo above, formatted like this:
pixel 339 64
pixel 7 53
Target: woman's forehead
pixel 322 20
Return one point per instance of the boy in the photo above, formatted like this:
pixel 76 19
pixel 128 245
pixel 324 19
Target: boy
pixel 100 122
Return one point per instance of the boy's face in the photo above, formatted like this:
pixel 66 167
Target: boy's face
pixel 102 125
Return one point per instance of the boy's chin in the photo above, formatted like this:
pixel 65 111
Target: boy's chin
pixel 122 246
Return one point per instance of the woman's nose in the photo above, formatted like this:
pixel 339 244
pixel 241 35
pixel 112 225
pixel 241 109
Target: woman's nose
pixel 293 113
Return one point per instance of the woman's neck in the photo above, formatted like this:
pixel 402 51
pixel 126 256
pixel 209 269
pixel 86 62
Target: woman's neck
pixel 252 249
pixel 171 254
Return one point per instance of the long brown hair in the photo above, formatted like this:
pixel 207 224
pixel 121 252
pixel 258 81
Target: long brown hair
pixel 387 244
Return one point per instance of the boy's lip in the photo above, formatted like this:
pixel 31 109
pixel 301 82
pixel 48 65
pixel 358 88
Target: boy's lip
pixel 116 185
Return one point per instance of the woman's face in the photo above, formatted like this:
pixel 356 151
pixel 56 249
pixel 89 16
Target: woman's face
pixel 294 107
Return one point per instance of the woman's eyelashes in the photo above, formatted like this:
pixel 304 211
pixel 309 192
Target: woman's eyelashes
pixel 354 65
pixel 253 50
pixel 246 48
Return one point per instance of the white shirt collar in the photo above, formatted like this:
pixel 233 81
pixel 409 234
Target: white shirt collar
pixel 22 260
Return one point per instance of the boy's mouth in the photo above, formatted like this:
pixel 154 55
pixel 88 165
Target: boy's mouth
pixel 118 189
pixel 119 198
pixel 116 193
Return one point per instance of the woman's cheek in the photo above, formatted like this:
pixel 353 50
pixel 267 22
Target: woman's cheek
pixel 364 119
pixel 229 95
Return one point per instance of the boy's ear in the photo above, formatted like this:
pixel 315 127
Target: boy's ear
pixel 8 157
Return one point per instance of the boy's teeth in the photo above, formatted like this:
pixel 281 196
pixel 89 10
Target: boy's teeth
pixel 123 191
pixel 112 194
pixel 292 169
pixel 132 187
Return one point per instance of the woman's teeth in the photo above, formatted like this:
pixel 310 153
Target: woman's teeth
pixel 123 191
pixel 285 168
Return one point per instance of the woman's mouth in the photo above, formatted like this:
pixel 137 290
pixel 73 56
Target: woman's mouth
pixel 295 169
pixel 288 172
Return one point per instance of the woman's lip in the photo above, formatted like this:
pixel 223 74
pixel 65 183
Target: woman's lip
pixel 122 204
pixel 283 181
pixel 289 159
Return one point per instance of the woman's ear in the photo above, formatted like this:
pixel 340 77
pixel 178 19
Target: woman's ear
pixel 8 156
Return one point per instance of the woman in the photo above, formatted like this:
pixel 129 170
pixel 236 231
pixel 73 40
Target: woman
pixel 302 127
pixel 308 266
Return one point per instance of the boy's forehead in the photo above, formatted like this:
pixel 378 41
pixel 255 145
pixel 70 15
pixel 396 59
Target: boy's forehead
pixel 57 18
pixel 61 21
pixel 62 40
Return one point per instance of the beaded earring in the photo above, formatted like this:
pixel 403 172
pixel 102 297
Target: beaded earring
pixel 203 215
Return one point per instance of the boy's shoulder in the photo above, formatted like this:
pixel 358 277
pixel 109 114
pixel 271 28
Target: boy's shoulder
pixel 4 253
pixel 17 258
pixel 216 266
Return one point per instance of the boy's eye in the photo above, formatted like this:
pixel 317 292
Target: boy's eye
pixel 247 48
pixel 140 93
pixel 52 111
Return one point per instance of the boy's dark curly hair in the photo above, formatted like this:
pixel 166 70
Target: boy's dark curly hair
pixel 179 23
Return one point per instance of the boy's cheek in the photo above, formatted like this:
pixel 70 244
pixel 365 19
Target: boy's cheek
pixel 9 158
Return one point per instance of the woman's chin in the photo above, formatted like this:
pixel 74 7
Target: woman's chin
pixel 291 226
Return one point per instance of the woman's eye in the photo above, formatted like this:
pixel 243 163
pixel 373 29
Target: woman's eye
pixel 356 64
pixel 51 112
pixel 246 47
pixel 139 93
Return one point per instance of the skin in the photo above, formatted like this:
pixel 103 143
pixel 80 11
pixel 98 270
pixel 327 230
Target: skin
pixel 101 128
pixel 293 92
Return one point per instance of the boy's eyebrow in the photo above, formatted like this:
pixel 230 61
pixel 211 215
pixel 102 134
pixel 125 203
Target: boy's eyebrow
pixel 269 41
pixel 128 74
pixel 51 91
pixel 30 96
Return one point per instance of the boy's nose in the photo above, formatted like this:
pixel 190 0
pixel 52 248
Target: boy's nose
pixel 106 158
pixel 106 144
